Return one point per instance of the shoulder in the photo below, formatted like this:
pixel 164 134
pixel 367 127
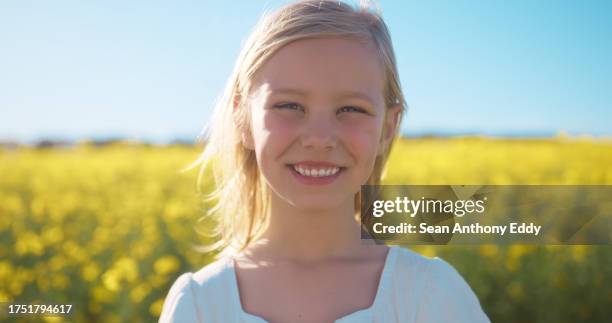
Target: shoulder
pixel 193 294
pixel 213 274
pixel 179 304
pixel 439 292
pixel 408 260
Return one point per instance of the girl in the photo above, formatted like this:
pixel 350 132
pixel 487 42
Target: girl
pixel 308 116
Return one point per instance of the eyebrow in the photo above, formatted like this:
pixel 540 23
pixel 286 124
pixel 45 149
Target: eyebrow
pixel 342 95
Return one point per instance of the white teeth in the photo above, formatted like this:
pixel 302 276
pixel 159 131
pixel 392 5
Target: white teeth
pixel 316 172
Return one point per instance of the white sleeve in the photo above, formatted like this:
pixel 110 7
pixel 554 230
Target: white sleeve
pixel 448 298
pixel 179 305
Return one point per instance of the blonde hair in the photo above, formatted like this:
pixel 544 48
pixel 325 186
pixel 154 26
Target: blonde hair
pixel 242 198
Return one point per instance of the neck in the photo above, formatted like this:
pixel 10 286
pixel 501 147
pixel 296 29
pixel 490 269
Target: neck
pixel 311 234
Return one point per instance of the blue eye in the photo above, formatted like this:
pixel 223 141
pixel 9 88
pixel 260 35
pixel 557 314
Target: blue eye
pixel 290 106
pixel 351 108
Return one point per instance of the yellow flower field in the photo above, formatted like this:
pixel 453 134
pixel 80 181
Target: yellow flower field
pixel 108 229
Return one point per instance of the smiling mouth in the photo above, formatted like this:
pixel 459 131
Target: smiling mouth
pixel 316 172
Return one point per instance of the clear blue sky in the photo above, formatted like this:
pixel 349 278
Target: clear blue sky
pixel 152 69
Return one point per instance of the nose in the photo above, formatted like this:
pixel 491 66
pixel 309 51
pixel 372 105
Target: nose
pixel 319 134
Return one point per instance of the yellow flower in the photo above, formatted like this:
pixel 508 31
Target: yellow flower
pixel 29 243
pixel 6 270
pixel 156 308
pixel 42 282
pixel 52 235
pixel 111 280
pixel 15 287
pixel 76 209
pixel 74 251
pixel 166 265
pixel 4 297
pixel 489 250
pixel 60 281
pixel 102 294
pixel 140 292
pixel 578 252
pixel 57 262
pixel 514 255
pixel 90 272
pixel 140 250
pixel 127 268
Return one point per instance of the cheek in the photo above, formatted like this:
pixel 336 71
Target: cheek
pixel 271 135
pixel 363 139
pixel 277 124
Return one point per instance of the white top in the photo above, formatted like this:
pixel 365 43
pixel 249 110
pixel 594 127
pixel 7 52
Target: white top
pixel 412 288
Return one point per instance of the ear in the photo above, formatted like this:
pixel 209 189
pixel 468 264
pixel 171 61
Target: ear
pixel 389 126
pixel 245 133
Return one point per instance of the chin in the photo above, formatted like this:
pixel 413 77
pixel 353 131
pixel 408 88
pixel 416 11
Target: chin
pixel 318 204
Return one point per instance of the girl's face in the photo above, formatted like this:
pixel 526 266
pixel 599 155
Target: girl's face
pixel 317 114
